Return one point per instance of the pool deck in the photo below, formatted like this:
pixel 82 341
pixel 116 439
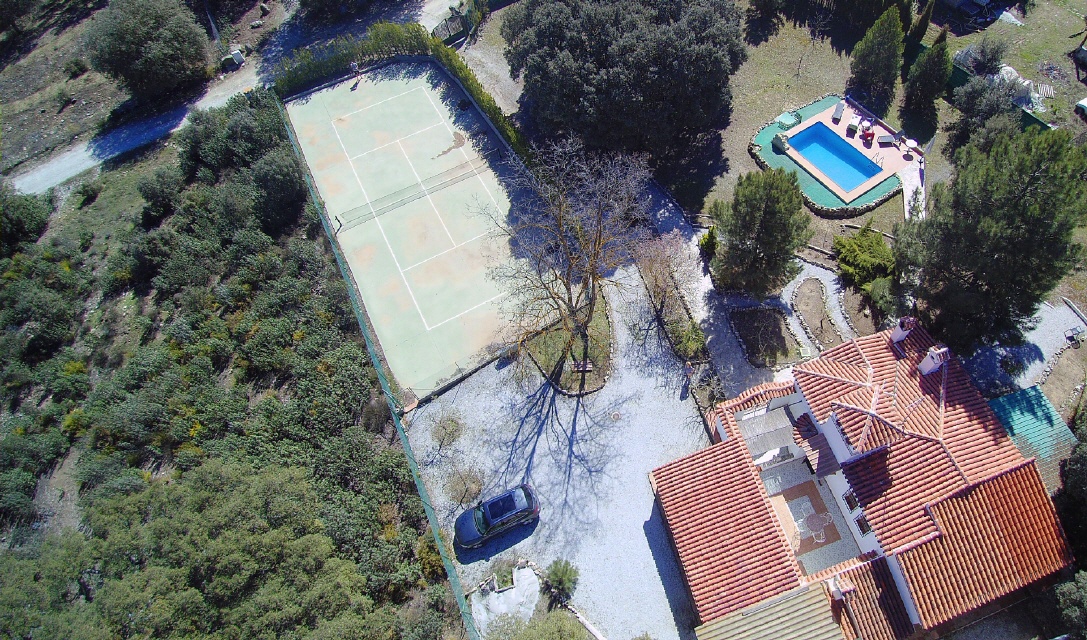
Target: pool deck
pixel 890 158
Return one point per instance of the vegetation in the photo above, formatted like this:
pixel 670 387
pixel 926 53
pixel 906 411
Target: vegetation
pixel 582 223
pixel 988 56
pixel 867 262
pixel 660 261
pixel 978 101
pixel 153 47
pixel 560 581
pixel 876 62
pixel 999 237
pixel 635 76
pixel 928 78
pixel 920 25
pixel 759 232
pixel 307 67
pixel 766 338
pixel 12 10
pixel 554 625
pixel 332 8
pixel 214 338
pixel 22 220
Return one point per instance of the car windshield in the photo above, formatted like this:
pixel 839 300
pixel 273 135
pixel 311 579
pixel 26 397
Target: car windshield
pixel 481 520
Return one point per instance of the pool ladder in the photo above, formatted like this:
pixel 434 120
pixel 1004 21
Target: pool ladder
pixel 878 159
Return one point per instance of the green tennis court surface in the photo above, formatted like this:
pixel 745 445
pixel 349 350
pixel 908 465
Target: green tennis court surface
pixel 405 167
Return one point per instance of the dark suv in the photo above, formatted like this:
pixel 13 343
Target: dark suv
pixel 492 517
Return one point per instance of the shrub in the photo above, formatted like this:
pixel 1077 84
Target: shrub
pixel 881 293
pixel 152 46
pixel 430 559
pixel 707 244
pixel 160 189
pixel 464 486
pixel 22 219
pixel 988 56
pixel 62 98
pixel 447 430
pixel 88 192
pixel 864 256
pixel 76 67
pixel 560 581
pixel 689 339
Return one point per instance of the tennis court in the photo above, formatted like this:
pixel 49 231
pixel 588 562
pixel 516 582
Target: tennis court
pixel 405 165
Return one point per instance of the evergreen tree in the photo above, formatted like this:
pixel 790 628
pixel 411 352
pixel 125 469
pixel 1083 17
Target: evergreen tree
pixel 625 75
pixel 877 59
pixel 928 78
pixel 760 232
pixel 905 13
pixel 920 26
pixel 152 46
pixel 999 238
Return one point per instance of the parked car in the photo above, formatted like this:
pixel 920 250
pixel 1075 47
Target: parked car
pixel 492 517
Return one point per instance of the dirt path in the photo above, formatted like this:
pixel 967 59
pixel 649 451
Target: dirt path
pixel 57 495
pixel 75 160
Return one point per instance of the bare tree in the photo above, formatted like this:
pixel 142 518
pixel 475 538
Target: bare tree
pixel 583 219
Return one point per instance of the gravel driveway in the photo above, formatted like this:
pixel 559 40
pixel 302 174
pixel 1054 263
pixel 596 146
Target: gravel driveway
pixel 588 460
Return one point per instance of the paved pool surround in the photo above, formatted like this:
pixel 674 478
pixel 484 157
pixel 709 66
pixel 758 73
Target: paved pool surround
pixel 821 191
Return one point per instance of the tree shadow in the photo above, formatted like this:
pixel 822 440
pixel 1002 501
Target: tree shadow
pixel 690 171
pixel 819 19
pixel 56 16
pixel 760 27
pixel 920 124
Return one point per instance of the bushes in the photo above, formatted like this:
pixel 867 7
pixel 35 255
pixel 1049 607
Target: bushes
pixel 152 46
pixel 22 219
pixel 560 581
pixel 864 256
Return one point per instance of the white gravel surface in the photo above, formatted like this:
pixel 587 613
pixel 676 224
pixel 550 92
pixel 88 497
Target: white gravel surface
pixel 1042 343
pixel 519 600
pixel 588 460
pixel 710 308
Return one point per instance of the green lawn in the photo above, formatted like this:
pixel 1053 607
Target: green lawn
pixel 547 349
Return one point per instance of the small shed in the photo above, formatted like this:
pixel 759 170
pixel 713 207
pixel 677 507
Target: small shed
pixel 451 29
pixel 1037 430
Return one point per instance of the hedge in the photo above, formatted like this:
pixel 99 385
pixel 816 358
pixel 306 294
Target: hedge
pixel 386 41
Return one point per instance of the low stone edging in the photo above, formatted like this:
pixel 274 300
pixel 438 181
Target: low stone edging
pixel 804 323
pixel 729 308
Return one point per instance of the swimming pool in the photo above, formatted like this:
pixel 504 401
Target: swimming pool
pixel 836 158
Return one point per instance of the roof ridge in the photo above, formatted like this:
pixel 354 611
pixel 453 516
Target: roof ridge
pixel 827 376
pixel 970 486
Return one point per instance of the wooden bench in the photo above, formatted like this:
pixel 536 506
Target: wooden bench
pixel 582 366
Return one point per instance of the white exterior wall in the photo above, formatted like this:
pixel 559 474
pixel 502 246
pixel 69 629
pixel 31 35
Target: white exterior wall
pixel 839 486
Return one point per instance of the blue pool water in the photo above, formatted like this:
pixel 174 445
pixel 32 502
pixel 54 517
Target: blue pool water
pixel 832 155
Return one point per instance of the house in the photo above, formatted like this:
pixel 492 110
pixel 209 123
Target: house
pixel 876 489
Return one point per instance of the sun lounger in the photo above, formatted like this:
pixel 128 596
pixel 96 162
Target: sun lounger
pixel 854 123
pixel 885 140
pixel 839 110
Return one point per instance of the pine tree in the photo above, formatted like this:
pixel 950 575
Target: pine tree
pixel 905 13
pixel 759 232
pixel 877 59
pixel 920 26
pixel 1000 237
pixel 928 78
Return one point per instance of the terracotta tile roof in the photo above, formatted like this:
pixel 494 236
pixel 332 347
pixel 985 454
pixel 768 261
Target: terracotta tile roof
pixel 993 538
pixel 875 601
pixel 815 446
pixel 730 546
pixel 921 437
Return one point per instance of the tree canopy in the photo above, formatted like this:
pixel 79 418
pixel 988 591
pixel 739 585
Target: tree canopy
pixel 928 77
pixel 978 101
pixel 876 61
pixel 999 237
pixel 759 232
pixel 22 220
pixel 152 46
pixel 625 75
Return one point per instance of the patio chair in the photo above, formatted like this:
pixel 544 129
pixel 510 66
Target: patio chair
pixel 838 111
pixel 819 536
pixel 854 123
pixel 885 140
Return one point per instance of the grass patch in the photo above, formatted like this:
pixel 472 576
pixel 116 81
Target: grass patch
pixel 547 349
pixel 503 568
pixel 766 337
pixel 447 430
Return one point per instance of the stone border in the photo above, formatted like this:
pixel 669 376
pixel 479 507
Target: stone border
pixel 826 313
pixel 730 308
pixel 611 360
pixel 842 212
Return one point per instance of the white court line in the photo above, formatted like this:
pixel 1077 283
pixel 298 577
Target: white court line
pixel 432 205
pixel 380 228
pixel 463 152
pixel 466 311
pixel 422 262
pixel 397 141
pixel 348 115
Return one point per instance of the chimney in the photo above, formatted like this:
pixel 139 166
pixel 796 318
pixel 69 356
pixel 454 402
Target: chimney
pixel 937 356
pixel 902 329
